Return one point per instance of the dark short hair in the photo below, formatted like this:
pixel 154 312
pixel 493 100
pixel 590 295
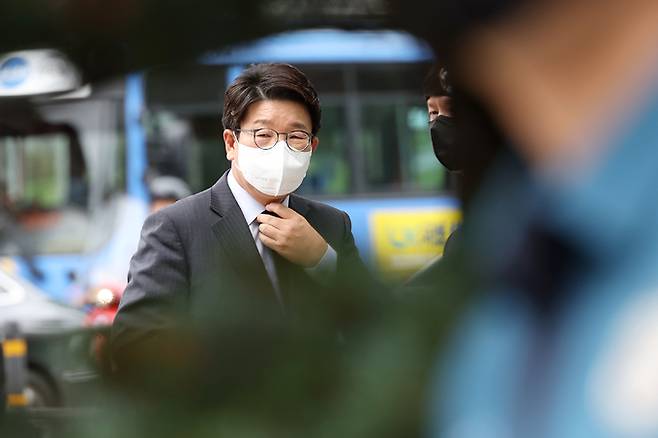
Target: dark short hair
pixel 436 82
pixel 269 81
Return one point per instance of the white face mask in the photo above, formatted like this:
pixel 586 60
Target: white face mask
pixel 276 171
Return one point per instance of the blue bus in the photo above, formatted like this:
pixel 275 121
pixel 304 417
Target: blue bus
pixel 75 161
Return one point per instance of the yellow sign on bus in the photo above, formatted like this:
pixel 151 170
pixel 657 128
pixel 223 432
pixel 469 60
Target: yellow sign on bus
pixel 404 241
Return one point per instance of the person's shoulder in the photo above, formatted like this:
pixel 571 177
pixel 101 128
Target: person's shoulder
pixel 426 276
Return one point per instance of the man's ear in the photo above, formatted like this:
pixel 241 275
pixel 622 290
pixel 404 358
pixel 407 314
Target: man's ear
pixel 229 144
pixel 314 143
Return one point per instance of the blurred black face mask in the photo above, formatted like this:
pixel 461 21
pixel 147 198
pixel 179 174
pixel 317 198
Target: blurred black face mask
pixel 443 133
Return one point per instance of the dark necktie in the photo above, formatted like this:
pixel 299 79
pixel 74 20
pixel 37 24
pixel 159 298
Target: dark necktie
pixel 272 260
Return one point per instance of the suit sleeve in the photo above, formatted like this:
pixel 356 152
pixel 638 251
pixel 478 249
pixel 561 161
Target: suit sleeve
pixel 155 298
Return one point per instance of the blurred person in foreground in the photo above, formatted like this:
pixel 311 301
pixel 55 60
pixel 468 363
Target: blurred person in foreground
pixel 244 256
pixel 562 340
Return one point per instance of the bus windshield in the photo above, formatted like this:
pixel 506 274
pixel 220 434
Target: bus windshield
pixel 59 170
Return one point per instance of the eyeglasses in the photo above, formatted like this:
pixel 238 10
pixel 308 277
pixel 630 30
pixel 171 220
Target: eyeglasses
pixel 266 138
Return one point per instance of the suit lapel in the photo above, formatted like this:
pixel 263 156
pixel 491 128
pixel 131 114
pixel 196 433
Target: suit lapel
pixel 235 240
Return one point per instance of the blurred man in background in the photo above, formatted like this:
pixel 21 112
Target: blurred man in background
pixel 439 110
pixel 466 156
pixel 438 92
pixel 165 190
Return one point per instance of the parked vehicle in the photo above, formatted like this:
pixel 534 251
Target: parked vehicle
pixel 60 367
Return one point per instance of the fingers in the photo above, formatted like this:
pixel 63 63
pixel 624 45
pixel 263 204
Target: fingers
pixel 271 220
pixel 291 236
pixel 270 231
pixel 268 241
pixel 281 210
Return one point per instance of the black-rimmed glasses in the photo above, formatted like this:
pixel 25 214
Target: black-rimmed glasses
pixel 266 138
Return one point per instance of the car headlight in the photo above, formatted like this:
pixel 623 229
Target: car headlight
pixel 103 296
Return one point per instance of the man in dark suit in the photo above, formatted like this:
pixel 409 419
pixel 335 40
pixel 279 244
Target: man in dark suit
pixel 246 241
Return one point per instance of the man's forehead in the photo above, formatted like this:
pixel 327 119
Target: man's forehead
pixel 296 124
pixel 438 100
pixel 282 112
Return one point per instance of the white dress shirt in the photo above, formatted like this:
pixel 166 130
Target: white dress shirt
pixel 251 209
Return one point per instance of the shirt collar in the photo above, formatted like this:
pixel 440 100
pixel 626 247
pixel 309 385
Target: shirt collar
pixel 249 206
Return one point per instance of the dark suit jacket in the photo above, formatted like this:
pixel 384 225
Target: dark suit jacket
pixel 430 277
pixel 197 262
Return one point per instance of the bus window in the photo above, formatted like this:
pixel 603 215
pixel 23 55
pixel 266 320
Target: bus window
pixel 60 162
pixel 374 136
pixel 37 171
pixel 183 124
pixel 395 139
pixel 329 172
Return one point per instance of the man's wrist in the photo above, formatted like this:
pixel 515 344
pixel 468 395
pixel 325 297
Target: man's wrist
pixel 326 265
